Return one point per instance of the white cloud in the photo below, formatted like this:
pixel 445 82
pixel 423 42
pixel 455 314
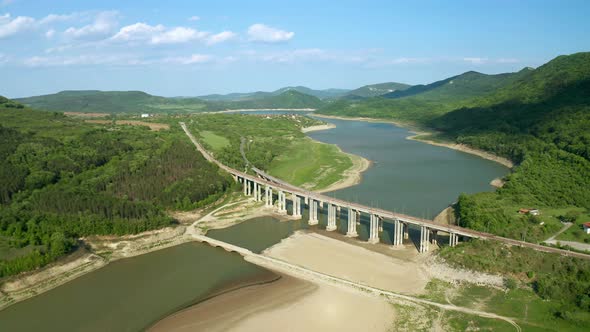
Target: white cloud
pixel 137 31
pixel 507 60
pixel 50 33
pixel 220 37
pixel 476 61
pixel 54 18
pixel 10 26
pixel 104 23
pixel 264 33
pixel 178 35
pixel 81 60
pixel 194 18
pixel 158 34
pixel 190 60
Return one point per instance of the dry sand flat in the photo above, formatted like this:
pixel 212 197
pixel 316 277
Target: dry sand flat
pixel 330 256
pixel 289 304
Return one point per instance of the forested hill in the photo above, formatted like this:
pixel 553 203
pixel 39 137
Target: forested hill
pixel 61 179
pixel 287 99
pixel 93 101
pixel 421 103
pixel 466 85
pixel 374 90
pixel 322 94
pixel 114 102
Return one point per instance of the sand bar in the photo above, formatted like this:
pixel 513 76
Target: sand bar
pixel 340 259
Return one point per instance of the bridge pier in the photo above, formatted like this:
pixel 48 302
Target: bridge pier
pixel 255 185
pixel 268 196
pixel 406 230
pixel 282 202
pixel 296 206
pixel 331 218
pixel 351 232
pixel 398 232
pixel 245 182
pixel 374 229
pixel 424 239
pixel 453 239
pixel 313 212
pixel 434 239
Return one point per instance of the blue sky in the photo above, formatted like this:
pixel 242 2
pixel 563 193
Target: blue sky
pixel 189 48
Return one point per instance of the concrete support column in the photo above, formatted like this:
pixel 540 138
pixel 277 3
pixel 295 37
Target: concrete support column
pixel 313 212
pixel 374 229
pixel 267 196
pixel 398 232
pixel 245 187
pixel 255 191
pixel 434 239
pixel 424 239
pixel 296 206
pixel 453 239
pixel 406 231
pixel 282 202
pixel 351 232
pixel 331 217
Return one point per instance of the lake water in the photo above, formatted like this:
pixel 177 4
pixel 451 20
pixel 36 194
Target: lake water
pixel 131 294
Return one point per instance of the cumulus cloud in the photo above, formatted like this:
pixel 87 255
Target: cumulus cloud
pixel 159 34
pixel 264 33
pixel 10 26
pixel 178 35
pixel 50 33
pixel 220 37
pixel 104 23
pixel 82 60
pixel 137 31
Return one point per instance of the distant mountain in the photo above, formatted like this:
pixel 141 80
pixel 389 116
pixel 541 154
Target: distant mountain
pixel 322 94
pixel 421 103
pixel 112 102
pixel 469 84
pixel 287 99
pixel 374 90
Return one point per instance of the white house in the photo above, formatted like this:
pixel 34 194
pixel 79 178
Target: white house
pixel 145 115
pixel 586 226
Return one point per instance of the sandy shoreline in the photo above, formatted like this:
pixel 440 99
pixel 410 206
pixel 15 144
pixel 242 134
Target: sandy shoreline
pixel 459 147
pixel 351 176
pixel 318 127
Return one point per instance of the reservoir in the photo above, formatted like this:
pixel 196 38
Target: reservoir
pixel 131 294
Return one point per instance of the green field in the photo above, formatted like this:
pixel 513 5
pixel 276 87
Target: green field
pixel 311 164
pixel 529 311
pixel 216 142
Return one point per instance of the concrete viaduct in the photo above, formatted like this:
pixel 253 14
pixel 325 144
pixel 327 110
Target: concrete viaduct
pixel 263 187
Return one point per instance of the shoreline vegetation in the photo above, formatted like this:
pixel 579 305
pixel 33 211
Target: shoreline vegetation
pixel 421 135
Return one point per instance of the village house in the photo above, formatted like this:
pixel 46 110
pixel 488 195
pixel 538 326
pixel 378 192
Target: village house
pixel 533 212
pixel 586 226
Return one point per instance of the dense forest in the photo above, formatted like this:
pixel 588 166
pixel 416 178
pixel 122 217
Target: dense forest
pixel 61 179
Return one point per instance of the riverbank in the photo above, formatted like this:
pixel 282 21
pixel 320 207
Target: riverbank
pixel 318 127
pixel 424 132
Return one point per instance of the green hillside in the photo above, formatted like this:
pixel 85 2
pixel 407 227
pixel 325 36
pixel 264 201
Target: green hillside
pixel 61 179
pixel 374 90
pixel 287 99
pixel 422 103
pixel 93 101
pixel 467 85
pixel 322 94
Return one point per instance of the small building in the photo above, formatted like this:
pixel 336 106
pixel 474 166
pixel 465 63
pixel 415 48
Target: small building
pixel 532 212
pixel 586 226
pixel 145 115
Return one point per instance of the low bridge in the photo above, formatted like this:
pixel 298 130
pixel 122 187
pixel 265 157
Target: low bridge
pixel 263 187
